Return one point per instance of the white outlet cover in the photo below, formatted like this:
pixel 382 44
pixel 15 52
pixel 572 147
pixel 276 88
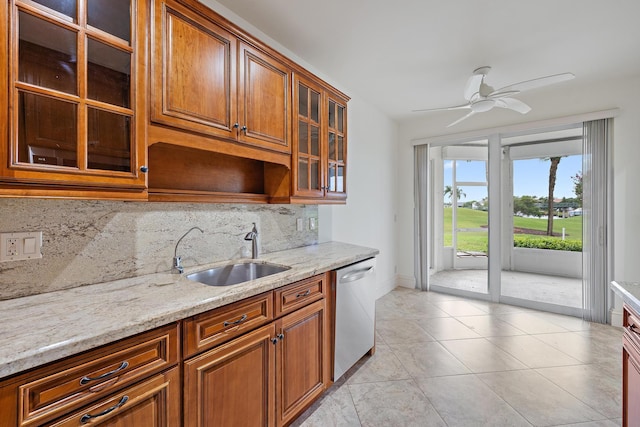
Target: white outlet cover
pixel 313 223
pixel 299 224
pixel 20 246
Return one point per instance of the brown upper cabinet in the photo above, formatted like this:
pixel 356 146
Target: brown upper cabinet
pixel 208 80
pixel 73 99
pixel 319 160
pixel 95 94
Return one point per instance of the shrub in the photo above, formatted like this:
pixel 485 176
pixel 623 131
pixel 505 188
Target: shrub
pixel 547 243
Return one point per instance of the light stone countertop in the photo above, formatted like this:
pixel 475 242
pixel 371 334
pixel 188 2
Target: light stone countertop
pixel 39 329
pixel 629 292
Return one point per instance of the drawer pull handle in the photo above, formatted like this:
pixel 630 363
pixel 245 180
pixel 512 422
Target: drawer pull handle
pixel 85 380
pixel 634 328
pixel 237 322
pixel 304 294
pixel 87 417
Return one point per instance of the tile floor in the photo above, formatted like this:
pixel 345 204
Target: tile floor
pixel 443 360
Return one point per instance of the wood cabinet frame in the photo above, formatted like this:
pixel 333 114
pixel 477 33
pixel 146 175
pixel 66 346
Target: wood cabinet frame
pixel 25 179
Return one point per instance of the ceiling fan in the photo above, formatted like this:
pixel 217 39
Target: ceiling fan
pixel 481 97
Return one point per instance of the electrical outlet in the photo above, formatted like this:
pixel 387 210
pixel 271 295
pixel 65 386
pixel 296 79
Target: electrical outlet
pixel 19 246
pixel 313 223
pixel 12 247
pixel 299 224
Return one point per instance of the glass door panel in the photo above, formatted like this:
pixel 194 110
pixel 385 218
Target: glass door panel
pixel 543 261
pixel 463 257
pixel 309 173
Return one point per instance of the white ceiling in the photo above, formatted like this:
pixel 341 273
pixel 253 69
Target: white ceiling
pixel 410 54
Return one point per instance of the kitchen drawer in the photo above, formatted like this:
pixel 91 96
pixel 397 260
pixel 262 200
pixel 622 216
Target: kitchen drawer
pixel 631 323
pixel 292 297
pixel 57 389
pixel 214 327
pixel 153 402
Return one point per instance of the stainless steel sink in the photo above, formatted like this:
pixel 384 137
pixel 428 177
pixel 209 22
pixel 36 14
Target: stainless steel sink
pixel 233 274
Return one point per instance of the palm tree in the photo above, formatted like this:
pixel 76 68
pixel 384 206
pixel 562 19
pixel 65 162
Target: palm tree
pixel 449 191
pixel 552 185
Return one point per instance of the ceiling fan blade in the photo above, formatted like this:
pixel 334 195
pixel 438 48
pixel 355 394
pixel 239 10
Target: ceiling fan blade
pixel 513 104
pixel 455 107
pixel 534 83
pixel 471 113
pixel 473 86
pixel 496 95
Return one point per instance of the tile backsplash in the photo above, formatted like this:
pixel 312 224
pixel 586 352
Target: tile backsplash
pixel 88 242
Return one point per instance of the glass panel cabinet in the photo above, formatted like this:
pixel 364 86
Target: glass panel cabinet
pixel 71 95
pixel 320 148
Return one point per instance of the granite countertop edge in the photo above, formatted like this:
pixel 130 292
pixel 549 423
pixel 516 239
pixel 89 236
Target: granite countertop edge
pixel 630 293
pixel 39 329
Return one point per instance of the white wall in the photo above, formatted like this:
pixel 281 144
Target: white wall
pixel 548 103
pixel 368 217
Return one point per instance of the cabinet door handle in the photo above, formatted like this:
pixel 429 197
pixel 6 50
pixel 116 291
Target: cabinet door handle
pixel 236 125
pixel 274 341
pixel 144 169
pixel 304 294
pixel 236 322
pixel 84 380
pixel 243 129
pixel 280 337
pixel 88 417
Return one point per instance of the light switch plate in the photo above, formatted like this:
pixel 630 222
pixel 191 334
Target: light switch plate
pixel 20 245
pixel 313 223
pixel 299 224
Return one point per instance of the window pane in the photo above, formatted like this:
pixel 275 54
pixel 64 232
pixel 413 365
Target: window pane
pixel 315 175
pixel 315 106
pixel 340 149
pixel 332 178
pixel 340 179
pixel 303 100
pixel 109 141
pixel 47 130
pixel 66 7
pixel 332 114
pixel 303 174
pixel 332 146
pixel 47 55
pixel 315 141
pixel 340 119
pixel 303 137
pixel 108 74
pixel 113 17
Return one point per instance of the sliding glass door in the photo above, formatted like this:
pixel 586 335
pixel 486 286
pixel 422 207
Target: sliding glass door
pixel 462 209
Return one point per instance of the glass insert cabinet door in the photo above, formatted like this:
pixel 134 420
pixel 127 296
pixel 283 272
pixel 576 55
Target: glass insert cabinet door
pixel 336 148
pixel 73 86
pixel 309 150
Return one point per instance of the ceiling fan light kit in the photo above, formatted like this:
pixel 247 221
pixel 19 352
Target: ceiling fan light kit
pixel 482 98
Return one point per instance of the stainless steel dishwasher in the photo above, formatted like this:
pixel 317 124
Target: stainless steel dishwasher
pixel 355 314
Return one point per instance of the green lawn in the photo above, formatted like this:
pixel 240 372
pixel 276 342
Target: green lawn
pixel 477 241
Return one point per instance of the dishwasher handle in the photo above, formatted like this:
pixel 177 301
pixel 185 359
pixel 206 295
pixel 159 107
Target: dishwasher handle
pixel 354 275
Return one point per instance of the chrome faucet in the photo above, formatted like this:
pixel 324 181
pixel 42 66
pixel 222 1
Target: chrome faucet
pixel 177 261
pixel 253 237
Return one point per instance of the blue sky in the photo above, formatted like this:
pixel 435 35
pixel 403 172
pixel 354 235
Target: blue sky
pixel 530 177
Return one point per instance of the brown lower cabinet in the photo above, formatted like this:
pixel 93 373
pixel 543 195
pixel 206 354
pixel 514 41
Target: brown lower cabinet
pixel 631 368
pixel 268 376
pixel 233 384
pixel 254 362
pixel 153 402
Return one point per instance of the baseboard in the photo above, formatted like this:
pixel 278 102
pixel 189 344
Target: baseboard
pixel 385 286
pixel 405 281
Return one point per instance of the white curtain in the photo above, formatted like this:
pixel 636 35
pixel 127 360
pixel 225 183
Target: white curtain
pixel 420 188
pixel 597 205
